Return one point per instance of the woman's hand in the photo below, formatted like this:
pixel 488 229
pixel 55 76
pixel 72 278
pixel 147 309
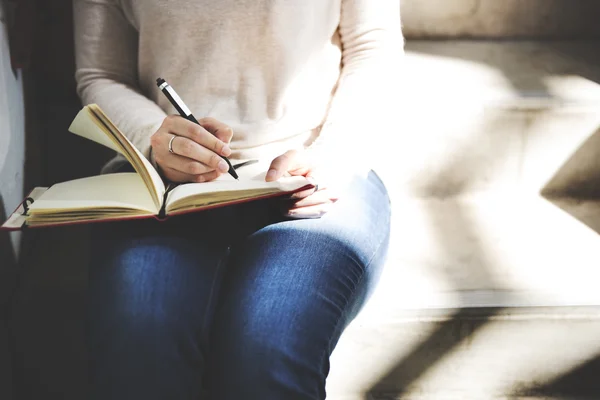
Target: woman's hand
pixel 311 203
pixel 196 149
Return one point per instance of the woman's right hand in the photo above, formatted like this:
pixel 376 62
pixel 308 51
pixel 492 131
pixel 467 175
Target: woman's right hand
pixel 197 149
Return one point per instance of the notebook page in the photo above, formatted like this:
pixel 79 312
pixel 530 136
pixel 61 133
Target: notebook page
pixel 138 157
pixel 252 179
pixel 123 190
pixel 91 123
pixel 85 127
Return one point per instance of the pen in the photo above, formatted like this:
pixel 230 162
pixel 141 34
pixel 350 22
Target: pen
pixel 185 112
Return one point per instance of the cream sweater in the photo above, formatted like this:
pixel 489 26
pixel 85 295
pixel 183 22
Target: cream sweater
pixel 284 74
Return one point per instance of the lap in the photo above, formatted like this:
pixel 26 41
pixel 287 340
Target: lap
pixel 272 257
pixel 147 275
pixel 152 290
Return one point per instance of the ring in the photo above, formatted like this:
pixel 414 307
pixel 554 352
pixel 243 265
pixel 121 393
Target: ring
pixel 316 188
pixel 171 144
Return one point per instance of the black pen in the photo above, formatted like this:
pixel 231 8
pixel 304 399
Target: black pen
pixel 185 112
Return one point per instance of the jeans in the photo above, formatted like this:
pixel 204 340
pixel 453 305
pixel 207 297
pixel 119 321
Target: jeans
pixel 232 303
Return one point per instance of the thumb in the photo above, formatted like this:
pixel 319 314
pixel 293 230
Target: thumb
pixel 281 165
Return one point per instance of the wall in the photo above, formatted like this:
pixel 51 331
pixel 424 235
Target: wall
pixel 12 131
pixel 12 159
pixel 501 18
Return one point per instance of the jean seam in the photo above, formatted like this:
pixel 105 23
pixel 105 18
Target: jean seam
pixel 211 296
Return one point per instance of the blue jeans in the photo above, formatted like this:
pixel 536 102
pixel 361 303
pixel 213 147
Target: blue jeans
pixel 232 303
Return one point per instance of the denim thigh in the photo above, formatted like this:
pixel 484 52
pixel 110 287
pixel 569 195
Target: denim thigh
pixel 152 290
pixel 290 290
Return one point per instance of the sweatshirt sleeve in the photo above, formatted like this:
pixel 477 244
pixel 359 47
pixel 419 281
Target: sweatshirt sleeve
pixel 106 47
pixel 360 119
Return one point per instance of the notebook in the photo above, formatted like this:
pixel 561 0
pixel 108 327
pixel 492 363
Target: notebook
pixel 139 194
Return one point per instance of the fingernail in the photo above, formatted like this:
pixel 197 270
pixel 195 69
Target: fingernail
pixel 226 151
pixel 223 166
pixel 271 174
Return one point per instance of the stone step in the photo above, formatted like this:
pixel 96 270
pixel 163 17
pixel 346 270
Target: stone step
pixel 491 288
pixel 508 116
pixel 500 19
pixel 490 251
pixel 484 297
pixel 533 354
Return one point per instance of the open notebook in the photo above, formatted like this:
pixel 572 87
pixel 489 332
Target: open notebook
pixel 140 194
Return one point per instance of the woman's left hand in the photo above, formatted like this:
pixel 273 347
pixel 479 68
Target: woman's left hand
pixel 311 203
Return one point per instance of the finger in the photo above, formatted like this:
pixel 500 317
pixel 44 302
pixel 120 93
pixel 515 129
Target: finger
pixel 321 197
pixel 316 211
pixel 185 147
pixel 177 176
pixel 207 177
pixel 222 131
pixel 281 165
pixel 180 177
pixel 181 164
pixel 302 194
pixel 182 127
pixel 305 193
pixel 300 168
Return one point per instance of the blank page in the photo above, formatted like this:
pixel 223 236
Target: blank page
pixel 123 190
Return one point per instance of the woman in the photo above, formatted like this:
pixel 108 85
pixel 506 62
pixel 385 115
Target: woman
pixel 245 301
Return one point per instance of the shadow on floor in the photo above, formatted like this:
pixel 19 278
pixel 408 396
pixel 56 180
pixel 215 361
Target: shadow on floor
pixel 575 187
pixel 579 176
pixel 466 266
pixel 573 177
pixel 403 379
pixel 581 383
pixel 464 323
